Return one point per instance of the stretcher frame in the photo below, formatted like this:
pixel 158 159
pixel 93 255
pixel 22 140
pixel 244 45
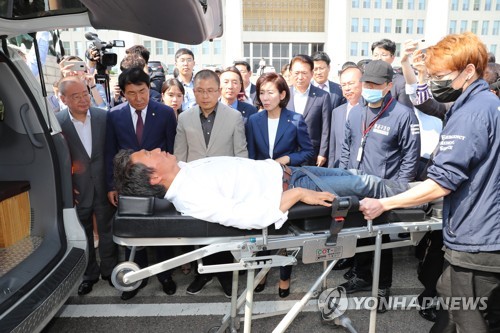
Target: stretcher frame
pixel 128 276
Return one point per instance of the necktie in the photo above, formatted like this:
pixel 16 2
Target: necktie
pixel 139 127
pixel 322 86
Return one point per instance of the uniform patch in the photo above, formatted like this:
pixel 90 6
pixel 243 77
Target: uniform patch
pixel 415 129
pixel 381 129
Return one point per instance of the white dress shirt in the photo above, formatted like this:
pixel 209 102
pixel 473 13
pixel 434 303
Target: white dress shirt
pixel 233 191
pixel 84 130
pixel 300 100
pixel 272 128
pixel 134 115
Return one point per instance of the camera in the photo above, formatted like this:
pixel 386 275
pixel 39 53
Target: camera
pixel 106 59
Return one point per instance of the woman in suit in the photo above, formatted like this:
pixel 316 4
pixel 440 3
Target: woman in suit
pixel 172 92
pixel 279 134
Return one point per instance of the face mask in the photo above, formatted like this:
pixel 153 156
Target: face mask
pixel 372 95
pixel 443 92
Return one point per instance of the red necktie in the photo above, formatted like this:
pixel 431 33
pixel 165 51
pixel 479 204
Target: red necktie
pixel 139 126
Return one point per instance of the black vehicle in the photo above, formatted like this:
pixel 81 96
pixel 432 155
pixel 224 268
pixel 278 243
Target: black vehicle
pixel 45 255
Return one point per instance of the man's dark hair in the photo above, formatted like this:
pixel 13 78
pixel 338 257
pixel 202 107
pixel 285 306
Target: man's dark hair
pixel 132 60
pixel 321 56
pixel 134 75
pixel 243 63
pixel 385 44
pixel 140 50
pixel 491 57
pixel 183 51
pixel 206 74
pixel 134 178
pixel 302 58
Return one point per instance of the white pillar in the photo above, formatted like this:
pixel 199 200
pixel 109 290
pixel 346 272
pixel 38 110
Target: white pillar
pixel 233 28
pixel 436 21
pixel 336 34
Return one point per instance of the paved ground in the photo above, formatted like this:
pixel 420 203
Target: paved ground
pixel 152 311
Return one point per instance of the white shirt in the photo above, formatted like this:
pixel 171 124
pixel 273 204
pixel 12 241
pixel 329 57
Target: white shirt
pixel 233 191
pixel 430 129
pixel 300 100
pixel 248 99
pixel 272 128
pixel 134 115
pixel 325 88
pixel 84 131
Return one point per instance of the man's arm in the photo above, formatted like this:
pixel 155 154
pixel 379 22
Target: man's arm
pixel 180 143
pixel 424 192
pixel 239 137
pixel 409 143
pixel 326 114
pixel 310 197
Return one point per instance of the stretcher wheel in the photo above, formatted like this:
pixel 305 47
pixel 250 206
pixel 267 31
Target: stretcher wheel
pixel 119 272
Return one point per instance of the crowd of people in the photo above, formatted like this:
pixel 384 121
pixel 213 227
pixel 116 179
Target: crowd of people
pixel 369 135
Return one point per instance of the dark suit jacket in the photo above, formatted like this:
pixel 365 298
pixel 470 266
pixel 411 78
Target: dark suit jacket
pixel 291 140
pixel 398 90
pixel 336 96
pixel 337 132
pixel 317 114
pixel 159 132
pixel 89 173
pixel 253 92
pixel 246 110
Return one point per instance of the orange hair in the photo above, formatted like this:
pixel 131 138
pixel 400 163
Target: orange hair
pixel 455 52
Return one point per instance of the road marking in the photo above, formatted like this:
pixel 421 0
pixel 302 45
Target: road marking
pixel 180 309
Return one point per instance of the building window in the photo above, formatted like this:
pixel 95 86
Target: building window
pixel 497 7
pixel 300 48
pixel 485 28
pixel 496 28
pixel 473 27
pixel 316 47
pixel 376 25
pixel 354 49
pixel 454 5
pixel 79 51
pixel 409 26
pixel 67 48
pixel 246 50
pixel 453 27
pixel 421 4
pixel 399 4
pixel 159 47
pixel 399 24
pixel 388 26
pixel 217 47
pixel 366 3
pixel 388 4
pixel 147 44
pixel 420 27
pixel 366 25
pixel 463 26
pixel 377 4
pixel 365 50
pixel 354 24
pixel 493 48
pixel 279 15
pixel 170 48
pixel 465 5
pixel 411 4
pixel 477 4
pixel 487 5
pixel 355 4
pixel 205 47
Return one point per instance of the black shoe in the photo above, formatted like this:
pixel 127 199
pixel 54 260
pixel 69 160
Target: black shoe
pixel 169 286
pixel 200 281
pixel 86 287
pixel 343 264
pixel 260 287
pixel 227 286
pixel 350 273
pixel 126 295
pixel 429 314
pixel 356 284
pixel 383 299
pixel 283 292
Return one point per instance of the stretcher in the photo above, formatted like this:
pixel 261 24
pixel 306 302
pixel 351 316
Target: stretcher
pixel 324 234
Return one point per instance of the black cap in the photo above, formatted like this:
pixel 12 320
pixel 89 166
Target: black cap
pixel 378 72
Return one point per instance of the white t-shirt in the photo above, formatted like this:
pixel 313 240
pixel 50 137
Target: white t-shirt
pixel 272 128
pixel 430 129
pixel 233 191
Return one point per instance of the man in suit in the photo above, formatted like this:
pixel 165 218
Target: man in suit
pixel 313 104
pixel 231 84
pixel 84 129
pixel 351 88
pixel 320 78
pixel 246 74
pixel 141 123
pixel 210 129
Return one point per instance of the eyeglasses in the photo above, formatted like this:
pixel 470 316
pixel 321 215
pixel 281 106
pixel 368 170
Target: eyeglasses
pixel 79 97
pixel 206 92
pixel 438 77
pixel 187 60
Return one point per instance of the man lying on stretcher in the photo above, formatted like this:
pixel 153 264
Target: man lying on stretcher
pixel 239 192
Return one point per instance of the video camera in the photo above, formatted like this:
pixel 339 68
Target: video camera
pixel 106 59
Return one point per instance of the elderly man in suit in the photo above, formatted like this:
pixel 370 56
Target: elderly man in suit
pixel 84 129
pixel 210 129
pixel 141 123
pixel 320 78
pixel 313 104
pixel 351 88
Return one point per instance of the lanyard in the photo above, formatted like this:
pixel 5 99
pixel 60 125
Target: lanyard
pixel 367 130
